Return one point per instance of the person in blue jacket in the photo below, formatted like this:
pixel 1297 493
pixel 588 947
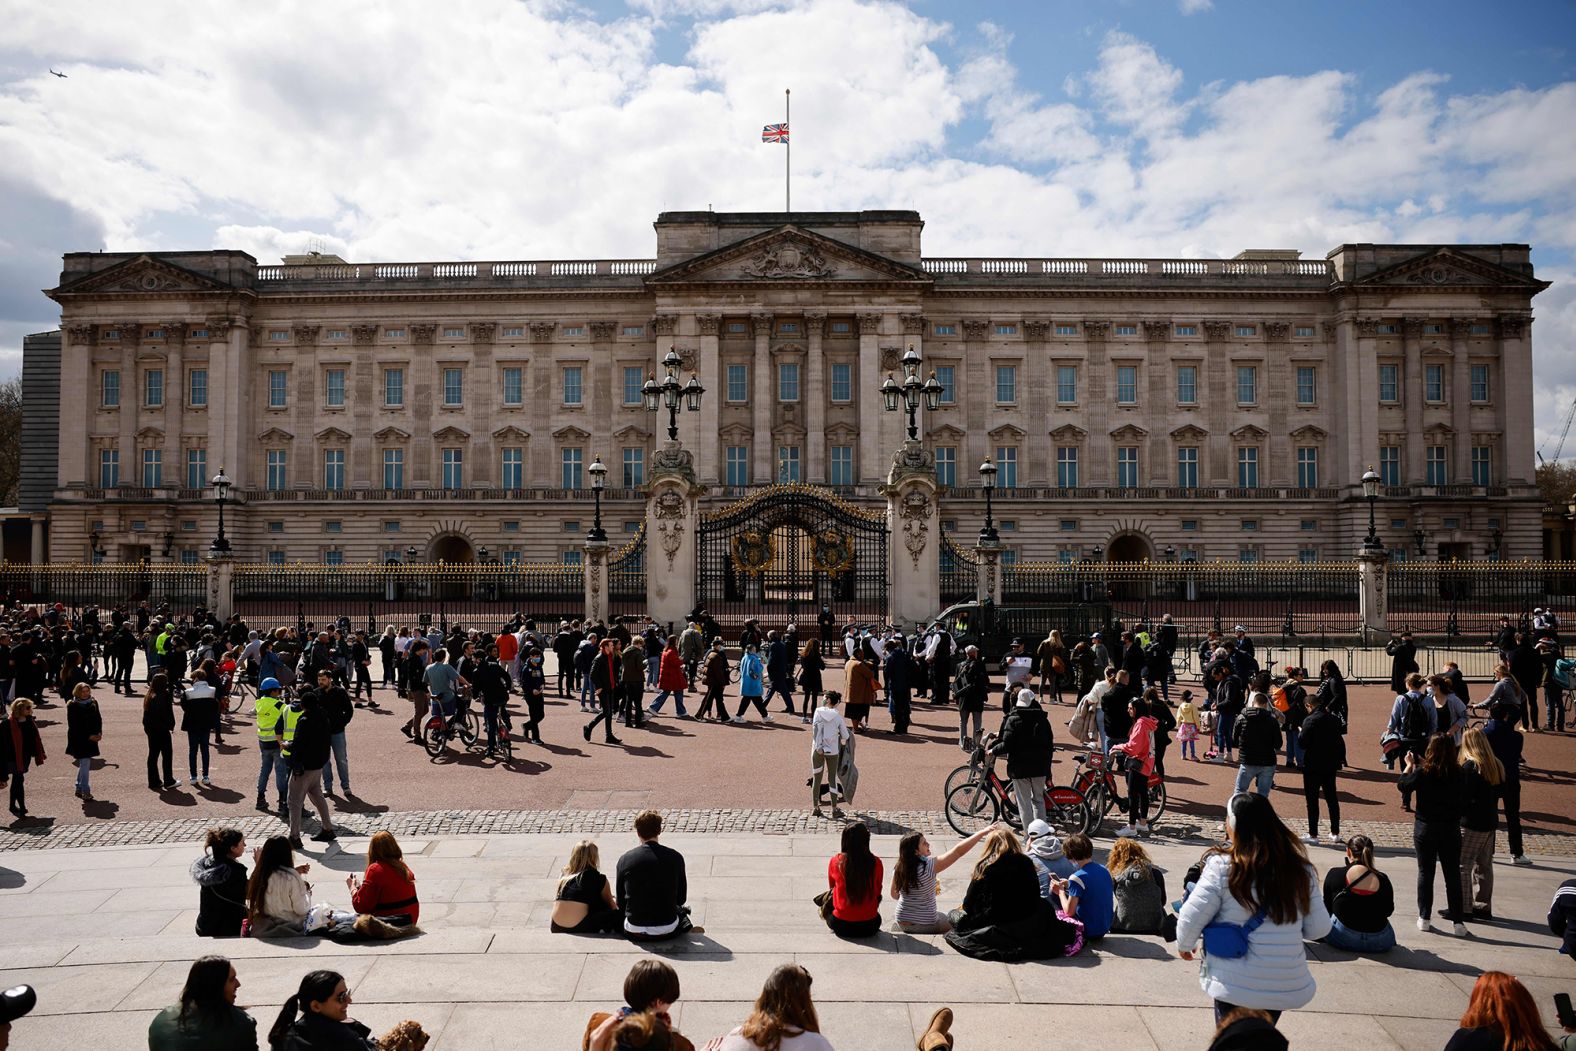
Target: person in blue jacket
pixel 752 671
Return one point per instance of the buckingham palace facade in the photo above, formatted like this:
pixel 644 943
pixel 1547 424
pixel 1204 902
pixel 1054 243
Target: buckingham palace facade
pixel 1134 408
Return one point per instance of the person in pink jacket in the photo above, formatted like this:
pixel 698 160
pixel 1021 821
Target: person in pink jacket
pixel 1140 751
pixel 670 679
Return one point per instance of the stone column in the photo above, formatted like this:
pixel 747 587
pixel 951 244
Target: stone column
pixel 987 576
pixel 1372 609
pixel 35 551
pixel 603 392
pixel 131 393
pixel 221 584
pixel 1156 466
pixel 175 394
pixel 1280 466
pixel 1461 401
pixel 914 523
pixel 763 459
pixel 708 451
pixel 1515 359
pixel 868 392
pixel 234 401
pixel 1217 387
pixel 78 460
pixel 482 394
pixel 977 389
pixel 672 517
pixel 594 565
pixel 814 394
pixel 1411 335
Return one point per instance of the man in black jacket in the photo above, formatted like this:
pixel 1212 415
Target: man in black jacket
pixel 652 887
pixel 337 709
pixel 971 686
pixel 491 684
pixel 1257 736
pixel 1026 741
pixel 604 675
pixel 1118 723
pixel 1526 667
pixel 307 753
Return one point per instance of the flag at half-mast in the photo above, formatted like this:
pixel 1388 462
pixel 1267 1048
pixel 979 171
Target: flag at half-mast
pixel 775 133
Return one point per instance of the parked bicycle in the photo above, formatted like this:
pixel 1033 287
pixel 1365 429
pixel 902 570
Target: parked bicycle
pixel 977 804
pixel 1095 778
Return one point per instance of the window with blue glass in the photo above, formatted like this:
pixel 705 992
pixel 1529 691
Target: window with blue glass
pixel 1127 467
pixel 738 382
pixel 514 385
pixel 946 465
pixel 1067 466
pixel 513 475
pixel 1127 384
pixel 736 463
pixel 1066 384
pixel 574 393
pixel 1248 467
pixel 196 468
pixel 1247 384
pixel 1007 466
pixel 109 389
pixel 634 467
pixel 276 388
pixel 572 466
pixel 840 465
pixel 274 475
pixel 1479 375
pixel 153 388
pixel 947 376
pixel 1390 465
pixel 788 381
pixel 842 381
pixel 152 468
pixel 1482 465
pixel 634 380
pixel 1307 467
pixel 333 469
pixel 197 388
pixel 393 468
pixel 109 468
pixel 1436 465
pixel 1433 383
pixel 1187 384
pixel 454 469
pixel 453 387
pixel 1389 383
pixel 334 388
pixel 1187 466
pixel 394 388
pixel 788 463
pixel 1006 384
pixel 1307 385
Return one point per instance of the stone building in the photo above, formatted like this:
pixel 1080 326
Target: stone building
pixel 1147 408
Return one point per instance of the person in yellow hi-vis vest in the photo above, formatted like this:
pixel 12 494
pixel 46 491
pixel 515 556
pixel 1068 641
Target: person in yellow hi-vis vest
pixel 269 712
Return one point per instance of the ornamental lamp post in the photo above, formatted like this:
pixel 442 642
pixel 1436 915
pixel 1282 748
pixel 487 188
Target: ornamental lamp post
pixel 1420 540
pixel 672 394
pixel 912 392
pixel 1170 553
pixel 988 534
pixel 598 473
pixel 410 554
pixel 221 489
pixel 1371 493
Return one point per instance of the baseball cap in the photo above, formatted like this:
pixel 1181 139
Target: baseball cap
pixel 1025 697
pixel 1240 628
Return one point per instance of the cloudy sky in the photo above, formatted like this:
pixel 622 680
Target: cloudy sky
pixel 490 129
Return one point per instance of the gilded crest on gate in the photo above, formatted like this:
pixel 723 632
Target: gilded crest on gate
pixel 752 552
pixel 832 552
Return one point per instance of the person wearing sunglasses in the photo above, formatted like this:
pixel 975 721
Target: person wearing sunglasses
pixel 323 1003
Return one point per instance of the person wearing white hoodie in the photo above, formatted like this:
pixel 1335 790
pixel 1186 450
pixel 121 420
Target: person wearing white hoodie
pixel 1280 913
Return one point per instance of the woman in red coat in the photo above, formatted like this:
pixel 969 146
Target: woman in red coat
pixel 20 747
pixel 671 679
pixel 389 887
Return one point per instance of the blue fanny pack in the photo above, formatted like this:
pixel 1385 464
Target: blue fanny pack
pixel 1229 941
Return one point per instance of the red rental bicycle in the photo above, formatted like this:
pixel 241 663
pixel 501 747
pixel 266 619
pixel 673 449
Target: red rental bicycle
pixel 1095 778
pixel 977 803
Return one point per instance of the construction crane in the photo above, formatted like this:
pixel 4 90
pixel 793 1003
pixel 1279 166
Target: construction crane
pixel 1559 446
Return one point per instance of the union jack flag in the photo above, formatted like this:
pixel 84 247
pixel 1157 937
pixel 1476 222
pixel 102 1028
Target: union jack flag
pixel 774 133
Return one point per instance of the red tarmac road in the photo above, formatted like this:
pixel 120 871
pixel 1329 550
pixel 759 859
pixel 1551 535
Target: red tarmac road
pixel 686 764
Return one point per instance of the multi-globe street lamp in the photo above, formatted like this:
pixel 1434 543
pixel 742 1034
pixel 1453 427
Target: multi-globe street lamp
pixel 912 392
pixel 670 392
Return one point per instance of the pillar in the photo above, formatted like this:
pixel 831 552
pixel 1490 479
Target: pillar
pixel 867 387
pixel 1515 353
pixel 1461 402
pixel 221 584
pixel 594 580
pixel 814 395
pixel 1371 601
pixel 763 458
pixel 914 526
pixel 1412 397
pixel 987 575
pixel 35 552
pixel 672 518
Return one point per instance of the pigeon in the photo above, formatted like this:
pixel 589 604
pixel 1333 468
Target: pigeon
pixel 62 76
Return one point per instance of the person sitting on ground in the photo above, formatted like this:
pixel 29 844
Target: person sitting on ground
pixel 1360 901
pixel 914 883
pixel 854 878
pixel 279 899
pixel 1562 917
pixel 784 1017
pixel 323 1001
pixel 651 987
pixel 584 902
pixel 1138 889
pixel 388 890
pixel 205 1018
pixel 1049 857
pixel 1088 895
pixel 1003 916
pixel 221 901
pixel 1501 1016
pixel 651 886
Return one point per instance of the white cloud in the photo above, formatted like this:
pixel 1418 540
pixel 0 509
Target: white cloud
pixel 1194 7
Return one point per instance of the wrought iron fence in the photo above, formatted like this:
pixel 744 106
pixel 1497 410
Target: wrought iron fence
pixel 179 587
pixel 1280 599
pixel 626 577
pixel 958 572
pixel 1467 599
pixel 437 592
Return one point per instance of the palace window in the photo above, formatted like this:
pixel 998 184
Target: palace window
pixel 453 387
pixel 276 388
pixel 737 463
pixel 1187 330
pixel 1482 470
pixel 788 463
pixel 1303 331
pixel 947 465
pixel 634 330
pixel 1390 465
pixel 1433 383
pixel 1006 384
pixel 945 330
pixel 1307 385
pixel 574 330
pixel 454 469
pixel 842 382
pixel 947 376
pixel 1480 383
pixel 1127 467
pixel 1187 384
pixel 1066 384
pixel 454 333
pixel 514 332
pixel 738 377
pixel 393 468
pixel 1248 467
pixel 1389 384
pixel 1247 330
pixel 1006 330
pixel 841 327
pixel 109 389
pixel 571 464
pixel 513 474
pixel 153 388
pixel 1307 467
pixel 574 394
pixel 1067 466
pixel 634 381
pixel 393 388
pixel 1247 385
pixel 333 469
pixel 1007 466
pixel 197 388
pixel 109 468
pixel 393 333
pixel 196 468
pixel 1066 330
pixel 334 388
pixel 1437 465
pixel 634 459
pixel 274 475
pixel 1187 466
pixel 1125 330
pixel 840 465
pixel 788 381
pixel 1127 384
pixel 514 385
pixel 152 468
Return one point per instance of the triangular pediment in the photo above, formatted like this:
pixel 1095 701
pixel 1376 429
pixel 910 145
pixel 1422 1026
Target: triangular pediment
pixel 1447 268
pixel 1006 430
pixel 1189 433
pixel 452 434
pixel 1250 432
pixel 392 434
pixel 332 434
pixel 571 434
pixel 734 433
pixel 789 255
pixel 1439 430
pixel 1069 432
pixel 842 432
pixel 150 434
pixel 511 434
pixel 146 275
pixel 945 432
pixel 631 434
pixel 1129 433
pixel 1310 433
pixel 275 435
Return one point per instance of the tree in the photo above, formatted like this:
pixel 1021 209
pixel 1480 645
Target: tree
pixel 10 440
pixel 1557 483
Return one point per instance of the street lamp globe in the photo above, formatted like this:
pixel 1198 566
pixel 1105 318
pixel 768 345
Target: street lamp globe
pixel 1371 493
pixel 988 475
pixel 1370 485
pixel 221 490
pixel 911 362
pixel 651 393
pixel 933 391
pixel 692 392
pixel 598 473
pixel 890 392
pixel 988 534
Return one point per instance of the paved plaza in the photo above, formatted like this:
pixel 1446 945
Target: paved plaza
pixel 106 935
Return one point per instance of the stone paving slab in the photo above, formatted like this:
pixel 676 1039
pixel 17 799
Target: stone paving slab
pixel 487 974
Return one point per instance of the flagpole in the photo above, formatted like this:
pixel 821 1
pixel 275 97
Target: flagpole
pixel 788 155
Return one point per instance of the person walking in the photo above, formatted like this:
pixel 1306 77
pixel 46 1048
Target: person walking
pixel 415 672
pixel 1506 743
pixel 337 708
pixel 533 687
pixel 492 686
pixel 1115 722
pixel 1187 726
pixel 671 679
pixel 1484 777
pixel 158 723
pixel 1262 883
pixel 779 672
pixel 199 715
pixel 1554 684
pixel 307 752
pixel 1026 740
pixel 811 665
pixel 859 686
pixel 752 672
pixel 268 715
pixel 1229 699
pixel 898 671
pixel 971 686
pixel 1051 664
pixel 715 679
pixel 829 734
pixel 1526 667
pixel 1323 742
pixel 1412 721
pixel 603 674
pixel 1139 751
pixel 20 748
pixel 632 683
pixel 1295 700
pixel 939 651
pixel 84 731
pixel 1403 660
pixel 1257 736
pixel 1440 789
pixel 1332 692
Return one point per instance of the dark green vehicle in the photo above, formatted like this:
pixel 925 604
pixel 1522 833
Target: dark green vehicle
pixel 992 628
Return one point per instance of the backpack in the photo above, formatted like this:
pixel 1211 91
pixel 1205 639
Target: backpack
pixel 1563 669
pixel 1414 719
pixel 1278 698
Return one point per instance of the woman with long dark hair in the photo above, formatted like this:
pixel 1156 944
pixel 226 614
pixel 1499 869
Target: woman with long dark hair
pixel 1252 883
pixel 222 900
pixel 1501 1016
pixel 205 1018
pixel 20 748
pixel 784 1016
pixel 1438 787
pixel 323 1002
pixel 854 876
pixel 811 665
pixel 158 723
pixel 1332 690
pixel 914 881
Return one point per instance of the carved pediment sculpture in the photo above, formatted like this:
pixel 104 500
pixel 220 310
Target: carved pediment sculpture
pixel 1129 432
pixel 391 436
pixel 332 434
pixel 1250 433
pixel 451 434
pixel 789 257
pixel 511 433
pixel 1189 433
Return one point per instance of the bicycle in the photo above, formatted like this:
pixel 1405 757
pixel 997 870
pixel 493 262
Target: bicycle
pixel 978 804
pixel 1096 780
pixel 438 731
pixel 236 692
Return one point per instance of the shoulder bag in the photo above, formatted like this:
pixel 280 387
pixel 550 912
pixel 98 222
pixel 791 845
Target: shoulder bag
pixel 1229 941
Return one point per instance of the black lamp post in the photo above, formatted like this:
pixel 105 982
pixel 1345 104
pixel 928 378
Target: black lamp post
pixel 911 392
pixel 1170 553
pixel 1098 553
pixel 1420 539
pixel 670 393
pixel 411 553
pixel 1371 493
pixel 598 473
pixel 481 555
pixel 1497 540
pixel 988 483
pixel 221 489
pixel 169 543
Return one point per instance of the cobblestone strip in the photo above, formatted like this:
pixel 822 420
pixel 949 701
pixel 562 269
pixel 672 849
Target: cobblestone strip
pixel 426 824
